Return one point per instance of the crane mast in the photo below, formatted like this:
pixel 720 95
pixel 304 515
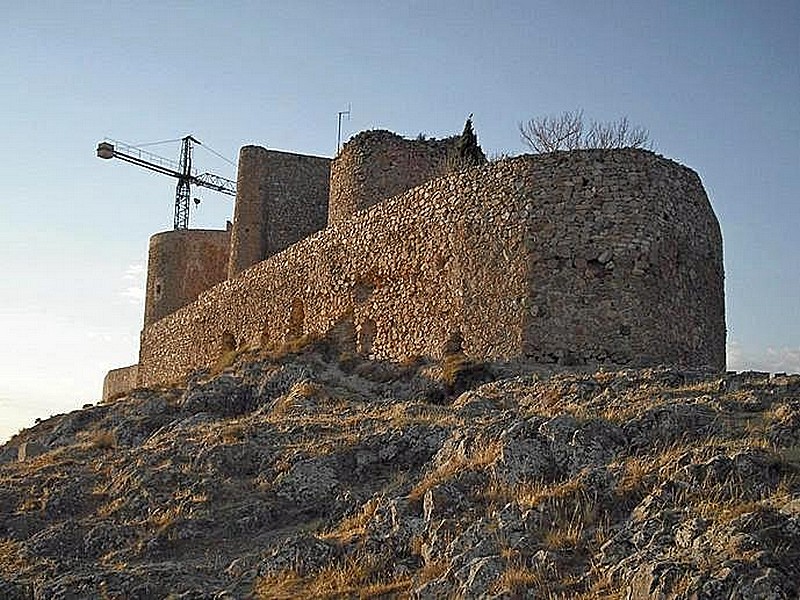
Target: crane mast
pixel 182 171
pixel 183 191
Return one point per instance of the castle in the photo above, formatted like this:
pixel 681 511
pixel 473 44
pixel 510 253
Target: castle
pixel 581 257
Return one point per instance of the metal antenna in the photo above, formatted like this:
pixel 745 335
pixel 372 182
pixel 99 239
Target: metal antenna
pixel 342 113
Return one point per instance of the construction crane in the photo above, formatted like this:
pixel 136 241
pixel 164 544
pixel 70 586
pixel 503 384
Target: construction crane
pixel 182 171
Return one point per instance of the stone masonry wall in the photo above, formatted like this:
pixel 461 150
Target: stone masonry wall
pixel 625 263
pixel 181 264
pixel 375 165
pixel 602 256
pixel 120 381
pixel 281 198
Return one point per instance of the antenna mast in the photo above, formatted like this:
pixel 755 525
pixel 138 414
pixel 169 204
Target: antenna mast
pixel 341 113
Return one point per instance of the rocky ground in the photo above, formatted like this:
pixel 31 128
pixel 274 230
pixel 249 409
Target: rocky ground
pixel 302 475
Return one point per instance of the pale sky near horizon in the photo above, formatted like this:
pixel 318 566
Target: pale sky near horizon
pixel 717 84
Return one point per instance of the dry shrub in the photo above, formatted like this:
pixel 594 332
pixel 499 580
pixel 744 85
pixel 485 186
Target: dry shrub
pixel 306 389
pixel 103 439
pixel 460 374
pixel 226 360
pixel 306 343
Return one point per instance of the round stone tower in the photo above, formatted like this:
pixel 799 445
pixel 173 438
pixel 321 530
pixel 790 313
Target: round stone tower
pixel 181 265
pixel 375 165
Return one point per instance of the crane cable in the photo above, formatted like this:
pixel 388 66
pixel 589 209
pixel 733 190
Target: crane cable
pixel 156 143
pixel 217 154
pixel 206 146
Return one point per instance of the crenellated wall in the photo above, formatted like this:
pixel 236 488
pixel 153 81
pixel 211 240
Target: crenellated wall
pixel 181 264
pixel 375 165
pixel 281 198
pixel 582 257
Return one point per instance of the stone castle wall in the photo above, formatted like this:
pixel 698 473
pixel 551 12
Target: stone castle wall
pixel 587 256
pixel 375 165
pixel 281 198
pixel 181 264
pixel 120 381
pixel 625 264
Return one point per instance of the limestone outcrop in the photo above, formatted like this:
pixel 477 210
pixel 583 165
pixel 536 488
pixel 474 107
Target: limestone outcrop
pixel 313 474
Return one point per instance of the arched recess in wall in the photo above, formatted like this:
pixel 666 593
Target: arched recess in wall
pixel 227 342
pixel 364 286
pixel 297 317
pixel 366 336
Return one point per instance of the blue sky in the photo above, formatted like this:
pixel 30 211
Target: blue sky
pixel 716 83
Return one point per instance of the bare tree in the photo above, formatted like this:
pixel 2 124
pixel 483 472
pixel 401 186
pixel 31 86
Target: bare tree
pixel 567 132
pixel 548 134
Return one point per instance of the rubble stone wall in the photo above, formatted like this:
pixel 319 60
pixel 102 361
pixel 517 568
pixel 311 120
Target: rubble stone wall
pixel 379 164
pixel 586 256
pixel 625 264
pixel 181 264
pixel 120 381
pixel 281 198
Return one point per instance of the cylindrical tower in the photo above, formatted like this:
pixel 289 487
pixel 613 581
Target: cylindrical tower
pixel 375 165
pixel 181 265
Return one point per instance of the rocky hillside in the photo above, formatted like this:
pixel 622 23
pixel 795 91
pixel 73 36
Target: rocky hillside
pixel 305 475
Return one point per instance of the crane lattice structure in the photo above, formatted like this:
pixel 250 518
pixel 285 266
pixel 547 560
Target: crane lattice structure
pixel 182 171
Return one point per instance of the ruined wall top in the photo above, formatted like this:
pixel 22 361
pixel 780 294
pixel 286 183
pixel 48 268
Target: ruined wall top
pixel 378 164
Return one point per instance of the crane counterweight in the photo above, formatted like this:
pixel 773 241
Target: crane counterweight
pixel 105 150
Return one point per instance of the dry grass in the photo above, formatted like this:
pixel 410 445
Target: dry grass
pixel 363 578
pixel 404 415
pixel 479 459
pixel 164 517
pixel 518 578
pixel 233 433
pixel 355 525
pixel 725 503
pixel 306 389
pixel 530 494
pixel 567 535
pixel 12 557
pixel 548 583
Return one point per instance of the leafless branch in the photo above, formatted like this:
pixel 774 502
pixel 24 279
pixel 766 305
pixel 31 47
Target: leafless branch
pixel 567 132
